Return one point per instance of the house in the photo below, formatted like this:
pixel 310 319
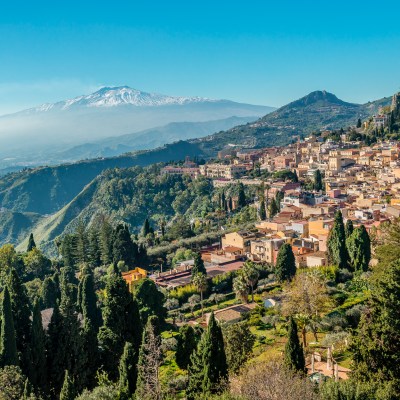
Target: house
pixel 316 259
pixel 133 276
pixel 266 250
pixel 232 314
pixel 238 240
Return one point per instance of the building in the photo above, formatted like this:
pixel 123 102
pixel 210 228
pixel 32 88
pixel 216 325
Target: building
pixel 222 171
pixel 266 250
pixel 380 121
pixel 238 240
pixel 180 170
pixel 133 276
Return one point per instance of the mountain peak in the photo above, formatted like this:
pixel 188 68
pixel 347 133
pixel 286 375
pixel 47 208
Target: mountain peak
pixel 318 97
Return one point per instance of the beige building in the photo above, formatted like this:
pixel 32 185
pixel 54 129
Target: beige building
pixel 222 171
pixel 238 240
pixel 266 250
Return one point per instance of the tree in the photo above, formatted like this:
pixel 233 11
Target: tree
pixel 106 242
pixel 38 370
pixel 359 249
pixel 146 229
pixel 375 346
pixel 31 243
pixel 318 185
pixel 241 287
pixel 285 268
pixel 36 264
pixel 306 298
pixel 349 228
pixel 94 251
pixel 198 266
pixel 239 342
pixel 21 317
pixel 12 383
pixel 262 212
pixel 150 357
pixel 8 346
pixel 186 345
pixel 150 301
pixel 68 389
pixel 241 195
pixel 208 368
pixel 128 371
pixel 49 293
pixel 82 243
pixel 89 300
pixel 294 355
pixel 124 249
pixel 251 275
pixel 200 282
pixel 359 123
pixel 336 243
pixel 273 208
pixel 223 201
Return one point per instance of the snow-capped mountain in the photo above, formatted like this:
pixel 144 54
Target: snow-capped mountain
pixel 121 95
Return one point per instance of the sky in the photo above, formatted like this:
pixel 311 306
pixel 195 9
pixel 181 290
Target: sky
pixel 259 52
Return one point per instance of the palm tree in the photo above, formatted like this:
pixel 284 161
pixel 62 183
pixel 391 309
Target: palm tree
pixel 241 287
pixel 251 275
pixel 200 281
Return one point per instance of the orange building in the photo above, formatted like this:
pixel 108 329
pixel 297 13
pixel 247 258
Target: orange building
pixel 133 276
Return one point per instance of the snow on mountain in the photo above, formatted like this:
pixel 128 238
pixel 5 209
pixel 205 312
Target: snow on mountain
pixel 115 96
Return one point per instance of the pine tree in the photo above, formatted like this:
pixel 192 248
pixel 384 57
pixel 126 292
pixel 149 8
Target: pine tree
pixel 38 370
pixel 208 368
pixel 106 242
pixel 376 343
pixel 128 371
pixel 31 243
pixel 150 357
pixel 94 248
pixel 21 317
pixel 241 195
pixel 186 345
pixel 294 355
pixel 82 243
pixel 8 346
pixel 68 389
pixel 263 213
pixel 198 266
pixel 285 268
pixel 318 185
pixel 359 249
pixel 336 243
pixel 349 228
pixel 124 249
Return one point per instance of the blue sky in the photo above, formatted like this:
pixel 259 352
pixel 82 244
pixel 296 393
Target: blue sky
pixel 260 52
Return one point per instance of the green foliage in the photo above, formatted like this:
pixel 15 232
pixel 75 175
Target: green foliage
pixel 12 383
pixel 241 195
pixel 336 243
pixel 349 228
pixel 262 211
pixel 31 243
pixel 273 208
pixel 68 391
pixel 128 371
pixel 186 345
pixel 239 342
pixel 183 293
pixel 359 249
pixel 285 268
pixel 8 346
pixel 294 355
pixel 318 184
pixel 198 266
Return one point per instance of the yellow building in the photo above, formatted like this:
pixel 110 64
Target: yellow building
pixel 133 276
pixel 319 226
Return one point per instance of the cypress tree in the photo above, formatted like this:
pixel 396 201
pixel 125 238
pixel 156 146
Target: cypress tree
pixel 359 249
pixel 31 243
pixel 241 195
pixel 285 268
pixel 208 367
pixel 106 242
pixel 318 185
pixel 94 248
pixel 128 371
pixel 68 389
pixel 349 228
pixel 336 243
pixel 21 316
pixel 294 355
pixel 273 208
pixel 146 228
pixel 91 351
pixel 88 304
pixel 8 346
pixel 230 204
pixel 49 293
pixel 124 249
pixel 186 345
pixel 82 243
pixel 198 266
pixel 263 213
pixel 223 201
pixel 38 370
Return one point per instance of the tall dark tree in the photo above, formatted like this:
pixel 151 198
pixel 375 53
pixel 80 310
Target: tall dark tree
pixel 31 243
pixel 318 184
pixel 336 243
pixel 146 229
pixel 88 299
pixel 82 243
pixel 285 268
pixel 150 300
pixel 223 201
pixel 186 345
pixel 106 242
pixel 48 293
pixel 273 208
pixel 121 323
pixel 38 368
pixel 294 355
pixel 8 345
pixel 90 346
pixel 241 195
pixel 359 249
pixel 124 249
pixel 21 316
pixel 128 371
pixel 376 343
pixel 208 367
pixel 198 266
pixel 359 123
pixel 230 204
pixel 349 228
pixel 94 251
pixel 68 391
pixel 263 212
